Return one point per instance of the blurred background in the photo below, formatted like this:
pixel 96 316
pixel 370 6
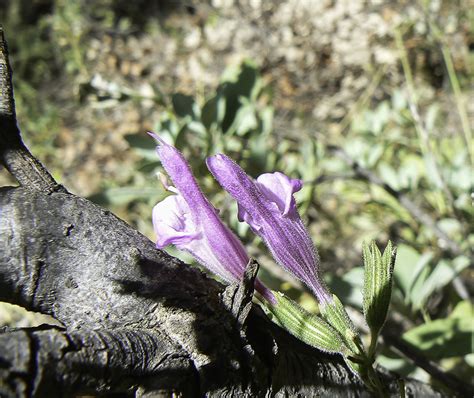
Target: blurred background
pixel 370 103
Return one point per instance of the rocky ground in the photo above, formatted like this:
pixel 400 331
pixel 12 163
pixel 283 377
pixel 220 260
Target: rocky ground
pixel 320 59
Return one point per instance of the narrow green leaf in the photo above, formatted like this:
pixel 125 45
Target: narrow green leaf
pixel 142 144
pixel 377 284
pixel 405 269
pixel 438 277
pixel 183 105
pixel 420 270
pixel 209 113
pixel 307 327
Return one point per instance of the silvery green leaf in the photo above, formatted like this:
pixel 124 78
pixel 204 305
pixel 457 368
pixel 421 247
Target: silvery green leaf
pixel 377 284
pixel 307 327
pixel 438 277
pixel 183 105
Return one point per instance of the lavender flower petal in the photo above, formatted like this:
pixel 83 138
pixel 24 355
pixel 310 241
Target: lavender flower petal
pixel 279 188
pixel 268 207
pixel 172 218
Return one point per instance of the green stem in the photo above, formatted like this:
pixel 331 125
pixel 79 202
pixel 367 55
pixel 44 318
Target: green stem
pixel 371 379
pixel 377 387
pixel 373 345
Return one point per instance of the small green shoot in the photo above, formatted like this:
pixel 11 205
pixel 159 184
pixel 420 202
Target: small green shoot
pixel 377 288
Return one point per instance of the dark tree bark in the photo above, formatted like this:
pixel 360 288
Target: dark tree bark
pixel 135 320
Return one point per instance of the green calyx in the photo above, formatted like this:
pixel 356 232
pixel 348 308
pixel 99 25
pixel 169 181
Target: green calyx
pixel 335 314
pixel 307 327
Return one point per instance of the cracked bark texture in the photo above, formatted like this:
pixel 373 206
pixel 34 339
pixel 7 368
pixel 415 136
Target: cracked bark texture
pixel 136 321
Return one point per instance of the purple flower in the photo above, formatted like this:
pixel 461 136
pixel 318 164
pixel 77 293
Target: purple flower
pixel 269 207
pixel 188 221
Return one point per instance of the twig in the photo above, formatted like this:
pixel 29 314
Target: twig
pixel 14 155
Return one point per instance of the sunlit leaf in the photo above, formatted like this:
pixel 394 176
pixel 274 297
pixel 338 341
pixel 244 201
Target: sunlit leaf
pixel 405 265
pixel 442 274
pixel 389 175
pixel 143 144
pixel 443 338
